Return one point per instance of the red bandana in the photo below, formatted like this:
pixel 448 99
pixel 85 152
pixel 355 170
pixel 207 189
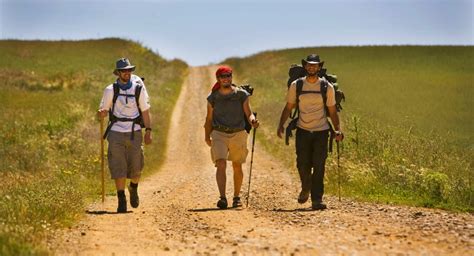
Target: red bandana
pixel 221 70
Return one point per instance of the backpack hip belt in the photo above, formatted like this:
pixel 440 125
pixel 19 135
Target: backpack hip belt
pixel 225 129
pixel 138 120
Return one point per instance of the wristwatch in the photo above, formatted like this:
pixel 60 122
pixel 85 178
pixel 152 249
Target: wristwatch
pixel 338 132
pixel 147 129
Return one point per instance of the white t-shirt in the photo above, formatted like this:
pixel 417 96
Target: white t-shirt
pixel 312 116
pixel 126 108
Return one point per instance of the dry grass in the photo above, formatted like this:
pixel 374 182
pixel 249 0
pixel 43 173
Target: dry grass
pixel 49 147
pixel 408 119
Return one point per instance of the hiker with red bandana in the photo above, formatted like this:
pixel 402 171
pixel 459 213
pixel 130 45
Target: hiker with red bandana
pixel 227 108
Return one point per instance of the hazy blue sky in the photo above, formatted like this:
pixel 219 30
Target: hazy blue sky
pixel 201 32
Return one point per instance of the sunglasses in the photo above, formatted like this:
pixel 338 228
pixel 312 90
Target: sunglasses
pixel 225 76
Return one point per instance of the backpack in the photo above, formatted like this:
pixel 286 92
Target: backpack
pixel 297 72
pixel 249 89
pixel 113 119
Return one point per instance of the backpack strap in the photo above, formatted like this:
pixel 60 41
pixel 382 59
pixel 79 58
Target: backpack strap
pixel 113 119
pixel 138 120
pixel 138 91
pixel 299 89
pixel 116 94
pixel 324 89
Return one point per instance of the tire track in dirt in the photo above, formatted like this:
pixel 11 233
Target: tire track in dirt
pixel 178 215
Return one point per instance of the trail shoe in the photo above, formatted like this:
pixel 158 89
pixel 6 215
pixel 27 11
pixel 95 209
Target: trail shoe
pixel 133 190
pixel 122 203
pixel 318 206
pixel 222 203
pixel 303 197
pixel 236 202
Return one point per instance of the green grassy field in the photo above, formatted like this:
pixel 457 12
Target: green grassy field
pixel 49 137
pixel 408 119
pixel 408 124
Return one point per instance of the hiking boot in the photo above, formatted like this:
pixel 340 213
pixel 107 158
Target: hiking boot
pixel 122 204
pixel 134 200
pixel 318 206
pixel 236 202
pixel 222 203
pixel 303 197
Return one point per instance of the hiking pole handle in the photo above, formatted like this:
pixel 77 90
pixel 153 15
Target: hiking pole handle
pixel 288 131
pixel 287 135
pixel 251 161
pixel 253 137
pixel 102 160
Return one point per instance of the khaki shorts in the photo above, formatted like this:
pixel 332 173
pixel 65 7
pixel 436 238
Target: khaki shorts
pixel 125 156
pixel 230 146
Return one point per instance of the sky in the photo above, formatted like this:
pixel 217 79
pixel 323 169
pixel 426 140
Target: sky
pixel 204 32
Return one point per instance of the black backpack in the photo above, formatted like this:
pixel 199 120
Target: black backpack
pixel 113 119
pixel 248 88
pixel 297 72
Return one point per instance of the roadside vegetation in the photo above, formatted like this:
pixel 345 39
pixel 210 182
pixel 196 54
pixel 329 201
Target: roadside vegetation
pixel 49 137
pixel 408 120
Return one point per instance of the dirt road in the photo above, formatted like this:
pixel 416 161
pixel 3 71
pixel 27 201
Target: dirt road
pixel 178 215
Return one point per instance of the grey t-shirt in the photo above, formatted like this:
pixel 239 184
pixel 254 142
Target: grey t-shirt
pixel 228 109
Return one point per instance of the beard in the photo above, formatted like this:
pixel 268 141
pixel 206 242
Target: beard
pixel 226 85
pixel 312 74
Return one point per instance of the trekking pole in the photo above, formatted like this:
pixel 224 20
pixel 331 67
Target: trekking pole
pixel 102 162
pixel 338 173
pixel 251 162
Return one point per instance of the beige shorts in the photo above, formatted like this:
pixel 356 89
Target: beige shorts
pixel 125 156
pixel 230 146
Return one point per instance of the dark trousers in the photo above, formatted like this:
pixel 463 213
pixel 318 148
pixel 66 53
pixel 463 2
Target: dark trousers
pixel 311 154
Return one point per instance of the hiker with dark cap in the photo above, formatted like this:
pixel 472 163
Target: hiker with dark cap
pixel 313 128
pixel 227 108
pixel 126 102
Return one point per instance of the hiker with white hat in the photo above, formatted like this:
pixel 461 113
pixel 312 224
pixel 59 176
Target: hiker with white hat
pixel 126 102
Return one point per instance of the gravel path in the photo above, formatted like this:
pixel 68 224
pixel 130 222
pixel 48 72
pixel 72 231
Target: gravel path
pixel 177 214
